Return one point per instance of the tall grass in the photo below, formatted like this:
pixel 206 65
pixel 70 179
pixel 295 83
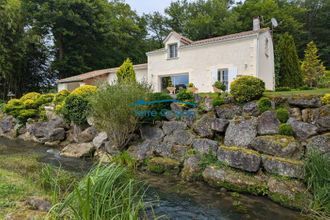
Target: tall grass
pixel 106 192
pixel 317 177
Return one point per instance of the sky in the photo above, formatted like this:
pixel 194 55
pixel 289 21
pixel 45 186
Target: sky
pixel 147 6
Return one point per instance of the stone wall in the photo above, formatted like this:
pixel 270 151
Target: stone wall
pixel 231 146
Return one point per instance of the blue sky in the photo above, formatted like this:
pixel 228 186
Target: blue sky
pixel 146 6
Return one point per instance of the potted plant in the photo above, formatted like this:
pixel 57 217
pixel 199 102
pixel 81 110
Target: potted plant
pixel 192 88
pixel 219 87
pixel 170 87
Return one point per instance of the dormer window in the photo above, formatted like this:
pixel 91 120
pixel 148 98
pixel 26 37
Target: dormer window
pixel 172 51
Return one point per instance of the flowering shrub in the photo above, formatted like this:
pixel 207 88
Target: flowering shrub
pixel 326 99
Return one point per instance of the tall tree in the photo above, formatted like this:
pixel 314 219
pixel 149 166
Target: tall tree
pixel 289 67
pixel 157 27
pixel 312 67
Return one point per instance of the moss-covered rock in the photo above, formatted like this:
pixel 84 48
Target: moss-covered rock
pixel 241 158
pixel 305 101
pixel 191 169
pixel 162 165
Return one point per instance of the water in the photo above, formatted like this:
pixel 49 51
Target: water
pixel 173 199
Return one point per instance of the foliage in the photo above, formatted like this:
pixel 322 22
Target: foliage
pixel 157 107
pixel 264 104
pixel 306 88
pixel 326 99
pixel 44 99
pixel 282 114
pixel 281 89
pixel 286 129
pixel 191 85
pixel 126 160
pixel 13 107
pixel 25 114
pixel 290 72
pixel 317 177
pixel 30 96
pixel 312 67
pixel 76 109
pixel 60 96
pixel 220 85
pixel 247 88
pixel 84 90
pixel 126 72
pixel 324 81
pixel 113 110
pixel 106 192
pixel 218 101
pixel 185 95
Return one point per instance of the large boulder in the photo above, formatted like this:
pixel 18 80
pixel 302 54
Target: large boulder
pixel 303 130
pixel 180 137
pixel 305 101
pixel 289 192
pixel 166 149
pixel 7 124
pixel 87 135
pixel 162 165
pixel 295 113
pixel 241 158
pixel 78 150
pixel 219 124
pixel 208 104
pixel 191 169
pixel 283 166
pixel 310 115
pixel 251 109
pixel 100 140
pixel 142 150
pixel 268 123
pixel 323 122
pixel 170 126
pixel 278 145
pixel 235 180
pixel 320 143
pixel 57 134
pixel 151 133
pixel 241 131
pixel 205 146
pixel 228 111
pixel 203 126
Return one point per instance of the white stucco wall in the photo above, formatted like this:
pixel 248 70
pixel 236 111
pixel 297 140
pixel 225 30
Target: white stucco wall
pixel 140 74
pixel 201 62
pixel 67 86
pixel 266 69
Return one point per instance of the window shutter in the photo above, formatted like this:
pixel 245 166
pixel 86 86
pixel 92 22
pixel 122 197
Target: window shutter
pixel 214 72
pixel 232 74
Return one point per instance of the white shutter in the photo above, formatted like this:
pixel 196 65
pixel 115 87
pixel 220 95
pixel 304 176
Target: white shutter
pixel 214 72
pixel 232 74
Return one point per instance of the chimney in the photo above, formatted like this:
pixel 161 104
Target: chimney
pixel 256 23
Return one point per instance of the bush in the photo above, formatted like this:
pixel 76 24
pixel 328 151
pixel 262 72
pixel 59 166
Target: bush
pixel 60 96
pixel 191 85
pixel 247 88
pixel 126 72
pixel 218 101
pixel 31 95
pixel 324 81
pixel 85 90
pixel 282 114
pixel 264 104
pixel 220 85
pixel 305 88
pixel 76 108
pixel 25 114
pixel 286 129
pixel 317 176
pixel 13 107
pixel 44 99
pixel 157 107
pixel 282 89
pixel 113 110
pixel 326 99
pixel 185 95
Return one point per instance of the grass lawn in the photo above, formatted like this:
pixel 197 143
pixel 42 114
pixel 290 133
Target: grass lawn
pixel 298 92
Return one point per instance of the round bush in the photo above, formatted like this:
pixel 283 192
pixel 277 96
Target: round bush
pixel 185 95
pixel 286 129
pixel 220 85
pixel 76 109
pixel 247 88
pixel 31 95
pixel 282 114
pixel 326 99
pixel 264 104
pixel 84 90
pixel 218 101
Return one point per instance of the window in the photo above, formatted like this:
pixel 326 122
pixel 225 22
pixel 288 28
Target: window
pixel 173 50
pixel 179 81
pixel 223 77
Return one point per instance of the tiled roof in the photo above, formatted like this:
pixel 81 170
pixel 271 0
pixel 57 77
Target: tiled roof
pixel 97 73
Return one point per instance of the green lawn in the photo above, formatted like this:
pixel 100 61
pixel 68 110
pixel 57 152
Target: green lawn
pixel 298 92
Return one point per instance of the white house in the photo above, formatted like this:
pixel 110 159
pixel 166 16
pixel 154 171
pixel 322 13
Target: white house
pixel 200 62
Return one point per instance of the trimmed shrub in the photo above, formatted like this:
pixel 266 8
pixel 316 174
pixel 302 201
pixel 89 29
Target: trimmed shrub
pixel 326 99
pixel 220 85
pixel 29 104
pixel 218 101
pixel 282 114
pixel 185 95
pixel 76 109
pixel 286 129
pixel 44 99
pixel 247 88
pixel 126 72
pixel 31 95
pixel 13 107
pixel 25 114
pixel 264 104
pixel 282 89
pixel 60 96
pixel 84 90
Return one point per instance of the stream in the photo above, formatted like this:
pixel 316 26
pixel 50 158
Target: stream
pixel 173 199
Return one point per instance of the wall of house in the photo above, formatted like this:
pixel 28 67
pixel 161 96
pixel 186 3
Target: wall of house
pixel 67 86
pixel 202 62
pixel 140 74
pixel 266 69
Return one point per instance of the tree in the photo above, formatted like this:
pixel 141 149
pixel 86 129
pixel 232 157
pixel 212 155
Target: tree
pixel 126 72
pixel 289 68
pixel 156 24
pixel 312 67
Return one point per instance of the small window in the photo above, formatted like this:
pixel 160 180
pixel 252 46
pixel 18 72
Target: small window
pixel 223 77
pixel 173 51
